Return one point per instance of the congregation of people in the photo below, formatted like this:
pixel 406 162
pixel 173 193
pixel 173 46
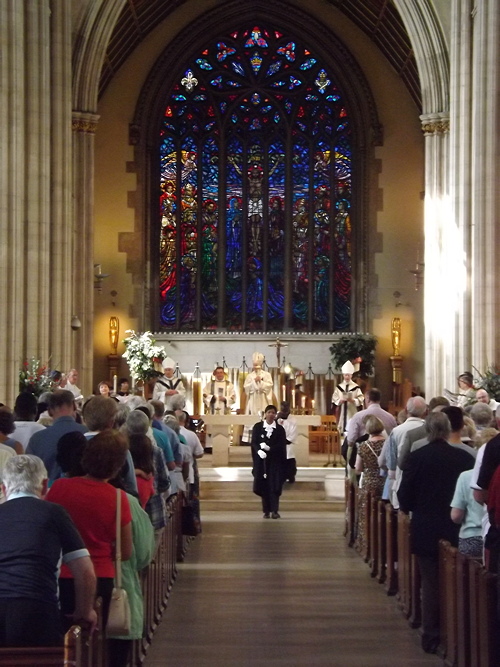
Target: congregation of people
pixel 64 462
pixel 440 463
pixel 62 459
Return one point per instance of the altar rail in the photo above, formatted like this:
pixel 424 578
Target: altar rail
pixel 468 592
pixel 82 650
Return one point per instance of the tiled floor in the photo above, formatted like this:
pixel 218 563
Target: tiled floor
pixel 285 592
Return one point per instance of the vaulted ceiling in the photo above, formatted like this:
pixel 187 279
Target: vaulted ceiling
pixel 378 19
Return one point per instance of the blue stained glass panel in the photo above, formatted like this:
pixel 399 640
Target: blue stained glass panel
pixel 306 135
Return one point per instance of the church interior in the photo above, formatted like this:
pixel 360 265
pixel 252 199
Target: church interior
pixel 268 176
pixel 86 86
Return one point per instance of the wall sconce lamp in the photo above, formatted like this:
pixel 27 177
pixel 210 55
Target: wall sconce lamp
pixel 75 323
pixel 99 277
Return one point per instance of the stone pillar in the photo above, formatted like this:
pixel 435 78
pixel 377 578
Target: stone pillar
pixel 460 176
pixel 35 107
pixel 84 127
pixel 38 221
pixel 438 311
pixel 484 183
pixel 12 193
pixel 61 215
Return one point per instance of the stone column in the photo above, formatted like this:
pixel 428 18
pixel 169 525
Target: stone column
pixel 438 312
pixel 84 127
pixel 61 215
pixel 12 193
pixel 460 175
pixel 38 178
pixel 484 183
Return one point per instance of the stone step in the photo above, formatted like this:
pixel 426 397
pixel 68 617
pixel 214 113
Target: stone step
pixel 242 490
pixel 255 504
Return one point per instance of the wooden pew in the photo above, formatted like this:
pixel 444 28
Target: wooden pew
pixel 484 630
pixel 42 656
pixel 350 511
pixel 463 611
pixel 448 589
pixel 404 564
pixel 391 533
pixel 381 572
pixel 373 550
pixel 158 578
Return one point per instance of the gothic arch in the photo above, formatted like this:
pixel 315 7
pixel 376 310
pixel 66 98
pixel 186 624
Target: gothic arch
pixel 431 53
pixel 348 76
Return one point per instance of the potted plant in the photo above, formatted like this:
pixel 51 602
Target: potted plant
pixel 358 348
pixel 142 354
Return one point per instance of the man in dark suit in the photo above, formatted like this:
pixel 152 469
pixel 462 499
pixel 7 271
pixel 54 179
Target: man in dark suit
pixel 269 462
pixel 427 490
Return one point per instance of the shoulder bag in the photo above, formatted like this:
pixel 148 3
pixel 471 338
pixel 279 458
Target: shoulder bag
pixel 119 608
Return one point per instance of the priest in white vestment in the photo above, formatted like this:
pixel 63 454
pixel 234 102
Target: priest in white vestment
pixel 348 398
pixel 219 394
pixel 168 386
pixel 259 390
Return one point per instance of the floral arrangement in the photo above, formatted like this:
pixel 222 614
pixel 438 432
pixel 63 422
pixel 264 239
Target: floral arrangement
pixel 489 380
pixel 142 354
pixel 34 377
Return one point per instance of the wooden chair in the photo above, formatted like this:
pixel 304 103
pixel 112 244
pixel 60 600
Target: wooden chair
pixel 325 439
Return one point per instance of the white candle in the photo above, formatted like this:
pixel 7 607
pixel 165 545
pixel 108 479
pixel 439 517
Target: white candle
pixel 283 389
pixel 312 404
pixel 293 398
pixel 133 382
pixel 303 402
pixel 115 383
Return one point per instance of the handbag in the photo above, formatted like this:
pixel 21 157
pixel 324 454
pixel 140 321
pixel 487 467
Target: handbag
pixel 119 606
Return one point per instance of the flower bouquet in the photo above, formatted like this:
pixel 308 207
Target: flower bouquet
pixel 34 377
pixel 142 354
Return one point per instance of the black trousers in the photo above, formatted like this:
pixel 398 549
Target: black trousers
pixel 270 501
pixel 67 598
pixel 25 622
pixel 429 571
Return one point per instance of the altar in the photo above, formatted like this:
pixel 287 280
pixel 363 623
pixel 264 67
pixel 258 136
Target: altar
pixel 220 427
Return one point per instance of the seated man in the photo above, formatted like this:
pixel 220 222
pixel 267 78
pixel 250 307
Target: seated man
pixel 35 534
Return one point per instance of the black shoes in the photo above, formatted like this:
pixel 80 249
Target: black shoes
pixel 275 515
pixel 266 515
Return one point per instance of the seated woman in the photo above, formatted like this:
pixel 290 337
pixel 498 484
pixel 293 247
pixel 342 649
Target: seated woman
pixel 269 461
pixel 91 503
pixel 367 463
pixel 103 389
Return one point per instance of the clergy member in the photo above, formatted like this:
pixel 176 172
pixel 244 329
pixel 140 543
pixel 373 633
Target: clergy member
pixel 168 386
pixel 259 390
pixel 348 397
pixel 219 393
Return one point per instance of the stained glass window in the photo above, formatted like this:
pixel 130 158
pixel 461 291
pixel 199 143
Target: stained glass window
pixel 255 190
